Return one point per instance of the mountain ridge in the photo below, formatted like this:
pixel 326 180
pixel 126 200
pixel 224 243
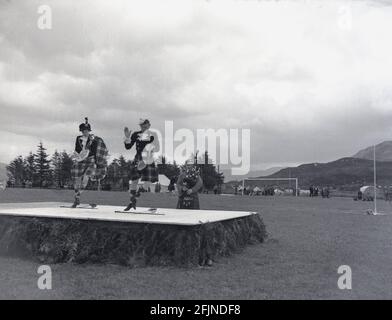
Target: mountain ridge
pixel 348 173
pixel 383 152
pixel 252 174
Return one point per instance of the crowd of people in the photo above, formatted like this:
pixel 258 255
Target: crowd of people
pixel 263 191
pixel 316 191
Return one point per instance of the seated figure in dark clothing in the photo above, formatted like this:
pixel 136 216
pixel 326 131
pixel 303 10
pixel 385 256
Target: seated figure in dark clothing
pixel 189 184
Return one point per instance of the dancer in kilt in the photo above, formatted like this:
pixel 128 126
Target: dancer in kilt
pixel 143 166
pixel 89 160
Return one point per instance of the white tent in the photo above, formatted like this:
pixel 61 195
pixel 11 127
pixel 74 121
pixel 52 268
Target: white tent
pixel 304 193
pixel 278 192
pixel 368 193
pixel 163 180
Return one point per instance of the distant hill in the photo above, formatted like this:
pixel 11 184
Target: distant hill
pixel 348 173
pixel 251 174
pixel 383 152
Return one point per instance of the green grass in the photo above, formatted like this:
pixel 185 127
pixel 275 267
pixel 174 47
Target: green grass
pixel 309 239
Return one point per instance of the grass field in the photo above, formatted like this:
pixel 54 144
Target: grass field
pixel 309 238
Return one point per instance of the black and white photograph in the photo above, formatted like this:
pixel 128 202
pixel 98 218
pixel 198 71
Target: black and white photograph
pixel 195 150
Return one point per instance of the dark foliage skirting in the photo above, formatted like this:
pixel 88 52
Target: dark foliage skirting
pixel 130 244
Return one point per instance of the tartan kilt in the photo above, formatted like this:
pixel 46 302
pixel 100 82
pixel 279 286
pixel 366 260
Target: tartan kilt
pixel 86 167
pixel 148 174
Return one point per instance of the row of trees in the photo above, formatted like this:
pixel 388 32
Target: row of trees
pixel 39 169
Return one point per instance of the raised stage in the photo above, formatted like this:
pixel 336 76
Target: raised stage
pixel 50 233
pixel 107 213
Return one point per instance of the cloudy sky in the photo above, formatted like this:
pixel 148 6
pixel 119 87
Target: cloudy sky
pixel 312 80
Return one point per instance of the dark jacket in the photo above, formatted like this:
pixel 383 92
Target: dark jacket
pixel 186 201
pixel 140 145
pixel 91 145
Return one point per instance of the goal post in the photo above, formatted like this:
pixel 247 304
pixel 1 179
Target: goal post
pixel 272 179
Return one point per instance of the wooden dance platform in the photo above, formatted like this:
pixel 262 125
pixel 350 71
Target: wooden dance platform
pixel 51 234
pixel 108 213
